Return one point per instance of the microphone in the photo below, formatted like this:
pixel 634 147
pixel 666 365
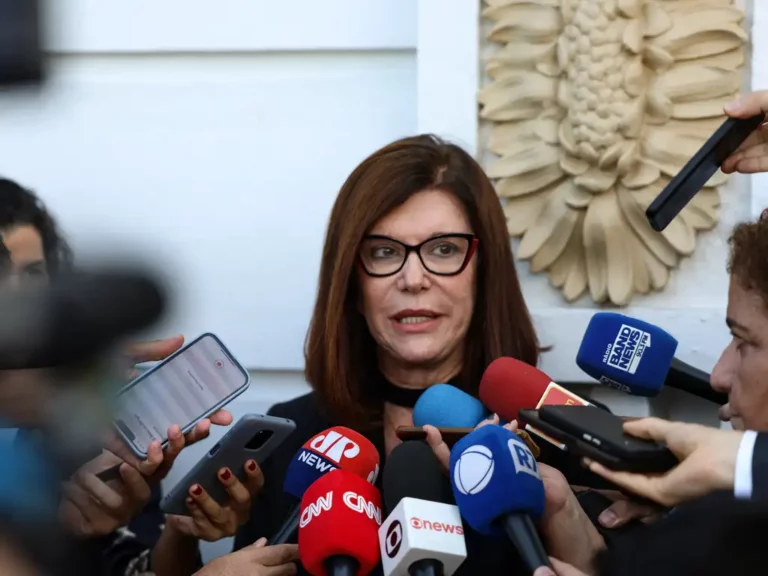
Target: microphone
pixel 339 525
pixel 509 385
pixel 636 357
pixel 685 377
pixel 423 534
pixel 331 449
pixel 443 405
pixel 498 488
pixel 75 318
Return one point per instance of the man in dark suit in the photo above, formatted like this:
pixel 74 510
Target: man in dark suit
pixel 714 536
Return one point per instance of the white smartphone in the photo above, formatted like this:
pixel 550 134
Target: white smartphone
pixel 191 384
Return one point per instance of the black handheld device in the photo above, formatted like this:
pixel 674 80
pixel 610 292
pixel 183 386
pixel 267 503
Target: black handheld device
pixel 699 169
pixel 253 437
pixel 593 433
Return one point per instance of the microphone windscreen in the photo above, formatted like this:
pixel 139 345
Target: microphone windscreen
pixel 331 449
pixel 340 516
pixel 509 384
pixel 413 471
pixel 443 405
pixel 493 473
pixel 626 354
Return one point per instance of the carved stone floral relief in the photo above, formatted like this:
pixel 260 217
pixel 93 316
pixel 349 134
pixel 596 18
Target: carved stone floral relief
pixel 595 105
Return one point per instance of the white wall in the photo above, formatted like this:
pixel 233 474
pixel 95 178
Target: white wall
pixel 196 131
pixel 211 139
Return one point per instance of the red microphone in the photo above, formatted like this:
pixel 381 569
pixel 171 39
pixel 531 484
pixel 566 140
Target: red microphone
pixel 339 526
pixel 331 449
pixel 508 385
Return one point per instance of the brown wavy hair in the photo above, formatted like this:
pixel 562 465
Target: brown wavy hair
pixel 748 258
pixel 340 353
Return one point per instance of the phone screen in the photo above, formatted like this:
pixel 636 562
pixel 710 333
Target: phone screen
pixel 181 390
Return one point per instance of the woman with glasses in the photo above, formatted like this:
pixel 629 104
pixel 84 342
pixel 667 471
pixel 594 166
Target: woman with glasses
pixel 417 287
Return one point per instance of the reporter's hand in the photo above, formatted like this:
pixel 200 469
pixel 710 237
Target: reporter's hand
pixel 624 510
pixel 211 521
pixel 752 155
pixel 708 461
pixel 565 527
pixel 255 560
pixel 158 462
pixel 92 508
pixel 441 449
pixel 560 569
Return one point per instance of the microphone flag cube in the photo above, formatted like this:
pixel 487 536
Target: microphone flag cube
pixel 421 529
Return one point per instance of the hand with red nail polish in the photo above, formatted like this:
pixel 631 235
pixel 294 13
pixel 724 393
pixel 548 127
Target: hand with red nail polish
pixel 211 520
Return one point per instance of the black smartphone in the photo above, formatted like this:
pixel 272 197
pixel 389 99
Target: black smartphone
pixel 253 437
pixel 699 169
pixel 593 433
pixel 450 435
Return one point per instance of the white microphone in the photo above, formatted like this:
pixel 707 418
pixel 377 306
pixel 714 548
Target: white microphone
pixel 422 538
pixel 423 534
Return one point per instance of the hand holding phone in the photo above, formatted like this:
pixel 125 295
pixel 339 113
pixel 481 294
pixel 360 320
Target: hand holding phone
pixel 188 386
pixel 452 435
pixel 588 431
pixel 254 438
pixel 699 169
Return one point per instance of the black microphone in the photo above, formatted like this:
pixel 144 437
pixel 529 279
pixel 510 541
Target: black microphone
pixel 694 381
pixel 423 534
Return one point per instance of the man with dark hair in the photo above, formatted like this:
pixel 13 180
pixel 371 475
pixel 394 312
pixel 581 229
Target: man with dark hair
pixel 742 370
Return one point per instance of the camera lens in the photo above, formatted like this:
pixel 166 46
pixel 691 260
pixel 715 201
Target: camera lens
pixel 259 439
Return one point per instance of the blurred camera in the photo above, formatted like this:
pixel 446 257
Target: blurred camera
pixel 21 50
pixel 5 260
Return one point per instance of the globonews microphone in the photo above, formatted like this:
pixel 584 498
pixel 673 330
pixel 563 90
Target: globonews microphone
pixel 498 489
pixel 334 448
pixel 638 358
pixel 443 405
pixel 423 534
pixel 509 385
pixel 339 526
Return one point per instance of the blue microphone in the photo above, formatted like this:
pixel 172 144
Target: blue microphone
pixel 498 489
pixel 626 354
pixel 637 357
pixel 445 406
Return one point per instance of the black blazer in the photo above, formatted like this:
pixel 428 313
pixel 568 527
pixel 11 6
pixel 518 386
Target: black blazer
pixel 760 468
pixel 715 536
pixel 485 555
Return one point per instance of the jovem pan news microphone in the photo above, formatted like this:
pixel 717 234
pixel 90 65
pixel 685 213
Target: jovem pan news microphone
pixel 334 448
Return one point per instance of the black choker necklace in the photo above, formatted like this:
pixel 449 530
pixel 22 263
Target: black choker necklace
pixel 405 397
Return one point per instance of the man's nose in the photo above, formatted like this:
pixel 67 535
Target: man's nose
pixel 721 378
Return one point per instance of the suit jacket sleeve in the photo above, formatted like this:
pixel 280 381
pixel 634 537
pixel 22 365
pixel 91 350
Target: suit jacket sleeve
pixel 760 467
